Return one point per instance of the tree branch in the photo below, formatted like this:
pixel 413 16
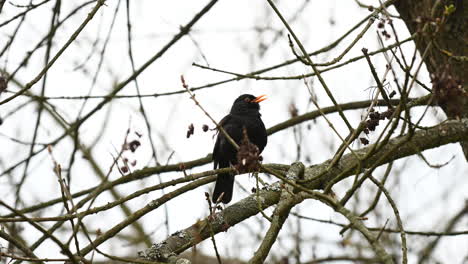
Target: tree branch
pixel 281 213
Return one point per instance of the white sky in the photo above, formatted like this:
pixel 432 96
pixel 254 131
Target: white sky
pixel 228 41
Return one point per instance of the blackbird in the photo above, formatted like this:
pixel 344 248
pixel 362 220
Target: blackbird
pixel 244 114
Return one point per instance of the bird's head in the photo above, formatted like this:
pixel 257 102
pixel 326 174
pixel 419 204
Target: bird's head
pixel 246 104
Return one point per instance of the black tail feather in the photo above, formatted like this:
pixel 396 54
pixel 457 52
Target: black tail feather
pixel 224 184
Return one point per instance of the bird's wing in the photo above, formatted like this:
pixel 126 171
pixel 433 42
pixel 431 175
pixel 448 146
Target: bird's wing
pixel 216 149
pixel 223 151
pixel 263 136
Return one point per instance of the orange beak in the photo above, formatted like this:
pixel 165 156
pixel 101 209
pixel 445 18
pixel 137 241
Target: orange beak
pixel 260 98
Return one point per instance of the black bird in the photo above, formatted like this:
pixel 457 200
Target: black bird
pixel 244 113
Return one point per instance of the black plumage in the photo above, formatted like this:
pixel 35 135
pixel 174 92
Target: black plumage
pixel 244 114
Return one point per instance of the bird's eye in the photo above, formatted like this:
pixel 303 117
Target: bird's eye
pixel 247 100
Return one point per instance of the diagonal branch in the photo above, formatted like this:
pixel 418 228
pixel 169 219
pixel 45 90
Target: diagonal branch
pixel 281 213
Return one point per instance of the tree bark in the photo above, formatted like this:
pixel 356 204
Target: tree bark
pixel 447 57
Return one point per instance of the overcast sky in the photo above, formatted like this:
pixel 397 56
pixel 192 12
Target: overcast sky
pixel 235 36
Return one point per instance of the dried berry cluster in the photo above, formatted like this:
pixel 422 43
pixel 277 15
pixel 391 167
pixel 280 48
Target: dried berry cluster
pixel 373 122
pixel 248 155
pixel 191 129
pixel 132 146
pixel 375 117
pixel 381 27
pixel 364 140
pixel 449 93
pixel 293 111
